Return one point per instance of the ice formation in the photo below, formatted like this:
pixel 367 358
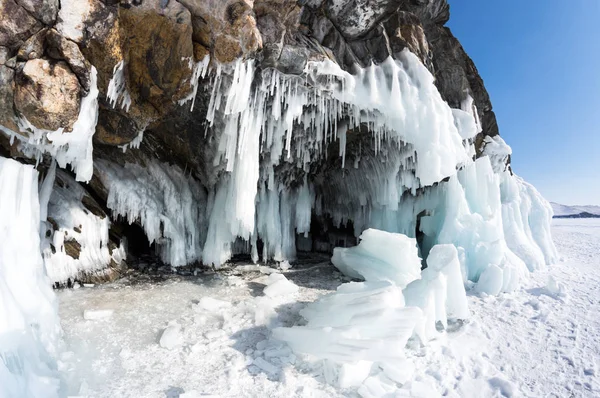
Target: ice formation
pixel 380 256
pixel 169 205
pixel 364 321
pixel 117 88
pixel 440 293
pixel 29 325
pixel 79 226
pixel 279 285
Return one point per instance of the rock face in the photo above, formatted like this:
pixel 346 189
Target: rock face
pixel 155 58
pixel 47 94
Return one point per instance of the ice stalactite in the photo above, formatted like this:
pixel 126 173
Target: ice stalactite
pixel 405 180
pixel 117 88
pixel 168 204
pixel 29 325
pixel 270 118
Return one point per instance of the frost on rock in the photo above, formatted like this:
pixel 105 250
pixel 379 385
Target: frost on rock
pixel 29 325
pixel 76 226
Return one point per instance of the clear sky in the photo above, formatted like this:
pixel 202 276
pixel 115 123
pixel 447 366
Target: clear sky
pixel 540 61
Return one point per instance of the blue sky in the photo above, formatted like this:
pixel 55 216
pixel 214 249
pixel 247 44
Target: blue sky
pixel 540 61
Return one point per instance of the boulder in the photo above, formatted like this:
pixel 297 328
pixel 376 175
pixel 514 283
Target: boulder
pixel 48 94
pixel 33 47
pixel 64 49
pixel 42 10
pixel 158 54
pixel 16 24
pixel 226 27
pixel 7 113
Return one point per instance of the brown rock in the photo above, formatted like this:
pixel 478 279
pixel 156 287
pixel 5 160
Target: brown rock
pixel 227 49
pixel 61 48
pixel 114 128
pixel 200 52
pixel 33 47
pixel 158 53
pixel 229 23
pixel 103 48
pixel 72 248
pixel 16 24
pixel 7 113
pixel 43 10
pixel 48 94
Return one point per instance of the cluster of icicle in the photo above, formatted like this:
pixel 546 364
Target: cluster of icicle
pixel 270 118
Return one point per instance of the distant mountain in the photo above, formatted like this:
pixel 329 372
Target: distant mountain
pixel 563 211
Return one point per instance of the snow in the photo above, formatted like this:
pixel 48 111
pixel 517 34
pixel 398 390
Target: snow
pixel 29 326
pixel 564 210
pixel 528 342
pixel 279 285
pixel 94 315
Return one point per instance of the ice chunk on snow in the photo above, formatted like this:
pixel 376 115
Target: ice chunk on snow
pixel 93 315
pixel 353 374
pixel 265 365
pixel 361 321
pixel 279 285
pixel 29 325
pixel 490 281
pixel 212 305
pixel 377 386
pixel 380 256
pixel 555 288
pixel 400 371
pixel 171 337
pixel 444 259
pixel 440 292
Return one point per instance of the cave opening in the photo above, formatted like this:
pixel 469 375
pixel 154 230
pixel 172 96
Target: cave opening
pixel 138 246
pixel 422 239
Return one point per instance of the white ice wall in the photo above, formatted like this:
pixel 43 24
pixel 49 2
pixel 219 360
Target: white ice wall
pixel 29 324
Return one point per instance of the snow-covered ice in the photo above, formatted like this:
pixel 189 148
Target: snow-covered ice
pixel 529 342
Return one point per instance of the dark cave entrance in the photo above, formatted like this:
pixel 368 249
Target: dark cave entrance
pixel 422 239
pixel 138 246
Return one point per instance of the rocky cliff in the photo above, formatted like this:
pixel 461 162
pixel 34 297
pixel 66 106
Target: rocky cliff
pixel 236 126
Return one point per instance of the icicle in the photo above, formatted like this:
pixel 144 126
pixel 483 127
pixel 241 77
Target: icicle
pixel 117 88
